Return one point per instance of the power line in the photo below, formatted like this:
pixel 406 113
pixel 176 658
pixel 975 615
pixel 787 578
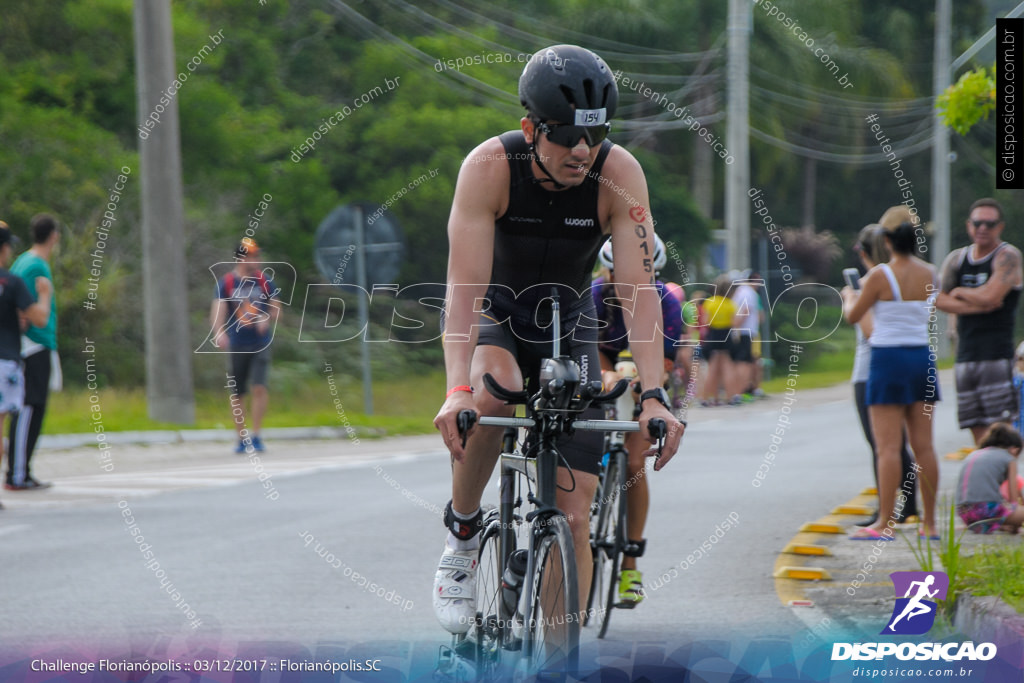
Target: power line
pixel 475 86
pixel 879 103
pixel 610 48
pixel 851 159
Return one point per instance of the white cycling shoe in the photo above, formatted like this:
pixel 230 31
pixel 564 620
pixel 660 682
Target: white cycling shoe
pixel 455 589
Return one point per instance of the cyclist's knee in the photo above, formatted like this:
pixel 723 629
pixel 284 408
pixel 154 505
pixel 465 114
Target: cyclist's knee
pixel 489 404
pixel 578 516
pixel 636 467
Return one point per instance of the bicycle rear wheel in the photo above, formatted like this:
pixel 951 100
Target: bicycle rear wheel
pixel 605 543
pixel 552 637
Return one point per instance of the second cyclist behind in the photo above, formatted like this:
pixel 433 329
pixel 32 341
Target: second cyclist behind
pixel 613 339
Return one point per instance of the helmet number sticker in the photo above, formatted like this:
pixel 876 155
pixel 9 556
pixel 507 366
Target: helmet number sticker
pixel 590 117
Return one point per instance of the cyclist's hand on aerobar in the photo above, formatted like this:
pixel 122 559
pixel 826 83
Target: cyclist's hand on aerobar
pixel 447 422
pixel 653 409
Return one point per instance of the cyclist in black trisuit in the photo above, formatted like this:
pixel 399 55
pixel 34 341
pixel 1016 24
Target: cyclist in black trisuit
pixel 531 210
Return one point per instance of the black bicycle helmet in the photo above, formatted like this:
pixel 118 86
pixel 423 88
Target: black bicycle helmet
pixel 561 76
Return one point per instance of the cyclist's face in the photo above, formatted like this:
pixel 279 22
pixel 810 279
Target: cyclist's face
pixel 568 165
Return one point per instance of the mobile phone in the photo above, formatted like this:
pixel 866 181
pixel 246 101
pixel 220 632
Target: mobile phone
pixel 852 277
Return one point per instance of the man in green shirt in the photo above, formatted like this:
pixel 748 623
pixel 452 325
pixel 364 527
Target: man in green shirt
pixel 39 350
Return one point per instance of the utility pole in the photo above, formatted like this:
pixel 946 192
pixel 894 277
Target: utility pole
pixel 169 391
pixel 737 183
pixel 940 151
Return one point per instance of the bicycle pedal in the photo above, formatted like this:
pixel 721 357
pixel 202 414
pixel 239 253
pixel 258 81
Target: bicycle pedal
pixel 452 667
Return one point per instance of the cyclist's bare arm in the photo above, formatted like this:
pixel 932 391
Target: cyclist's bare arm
pixel 481 193
pixel 632 230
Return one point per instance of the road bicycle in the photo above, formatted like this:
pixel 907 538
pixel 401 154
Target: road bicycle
pixel 527 619
pixel 608 529
pixel 609 539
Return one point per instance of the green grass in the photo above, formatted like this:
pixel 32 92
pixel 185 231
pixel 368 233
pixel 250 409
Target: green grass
pixel 996 570
pixel 297 399
pixel 406 406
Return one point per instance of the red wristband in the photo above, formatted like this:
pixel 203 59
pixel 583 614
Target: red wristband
pixel 461 387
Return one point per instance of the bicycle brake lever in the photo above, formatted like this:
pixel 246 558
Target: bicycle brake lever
pixel 659 430
pixel 465 421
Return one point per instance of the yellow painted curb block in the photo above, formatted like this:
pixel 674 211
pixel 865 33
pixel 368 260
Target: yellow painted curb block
pixel 803 573
pixel 859 510
pixel 822 528
pixel 807 549
pixel 869 491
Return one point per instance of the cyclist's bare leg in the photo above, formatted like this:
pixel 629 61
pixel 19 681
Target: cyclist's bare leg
pixel 576 506
pixel 469 477
pixel 638 499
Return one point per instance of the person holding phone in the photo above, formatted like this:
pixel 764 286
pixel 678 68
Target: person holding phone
pixel 902 379
pixel 871 249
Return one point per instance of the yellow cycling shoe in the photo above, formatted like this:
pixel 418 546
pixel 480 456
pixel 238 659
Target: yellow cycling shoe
pixel 631 588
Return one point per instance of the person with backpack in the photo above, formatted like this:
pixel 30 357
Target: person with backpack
pixel 243 317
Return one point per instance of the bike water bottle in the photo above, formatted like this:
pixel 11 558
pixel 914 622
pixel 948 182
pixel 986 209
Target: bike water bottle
pixel 626 366
pixel 512 581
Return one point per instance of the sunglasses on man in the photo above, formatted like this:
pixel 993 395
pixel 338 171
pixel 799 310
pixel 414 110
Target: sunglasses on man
pixel 567 135
pixel 985 224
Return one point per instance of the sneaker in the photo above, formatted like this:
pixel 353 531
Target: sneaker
pixel 257 444
pixel 455 589
pixel 759 393
pixel 240 448
pixel 631 588
pixel 30 484
pixel 736 400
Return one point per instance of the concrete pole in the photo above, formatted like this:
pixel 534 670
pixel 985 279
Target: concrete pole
pixel 364 311
pixel 940 152
pixel 737 206
pixel 169 390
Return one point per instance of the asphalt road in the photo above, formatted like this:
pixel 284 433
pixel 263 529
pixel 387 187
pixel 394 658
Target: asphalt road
pixel 282 573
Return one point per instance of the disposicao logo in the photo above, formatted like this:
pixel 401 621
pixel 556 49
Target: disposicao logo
pixel 913 615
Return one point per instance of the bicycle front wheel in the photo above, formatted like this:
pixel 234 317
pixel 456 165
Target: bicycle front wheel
pixel 614 539
pixel 553 632
pixel 606 542
pixel 490 626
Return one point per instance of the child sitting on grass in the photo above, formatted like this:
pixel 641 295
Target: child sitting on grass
pixel 978 499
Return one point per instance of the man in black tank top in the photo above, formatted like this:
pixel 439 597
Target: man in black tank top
pixel 981 284
pixel 531 210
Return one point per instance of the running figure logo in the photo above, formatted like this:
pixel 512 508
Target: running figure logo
pixel 915 612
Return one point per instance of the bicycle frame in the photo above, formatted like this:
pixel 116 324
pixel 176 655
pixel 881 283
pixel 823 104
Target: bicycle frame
pixel 551 412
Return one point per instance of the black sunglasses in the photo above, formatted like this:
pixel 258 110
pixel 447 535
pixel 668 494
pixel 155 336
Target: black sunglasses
pixel 567 135
pixel 986 224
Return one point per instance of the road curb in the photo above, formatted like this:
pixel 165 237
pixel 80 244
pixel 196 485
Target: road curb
pixel 150 438
pixel 982 619
pixel 987 619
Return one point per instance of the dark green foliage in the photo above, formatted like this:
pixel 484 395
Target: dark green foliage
pixel 68 124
